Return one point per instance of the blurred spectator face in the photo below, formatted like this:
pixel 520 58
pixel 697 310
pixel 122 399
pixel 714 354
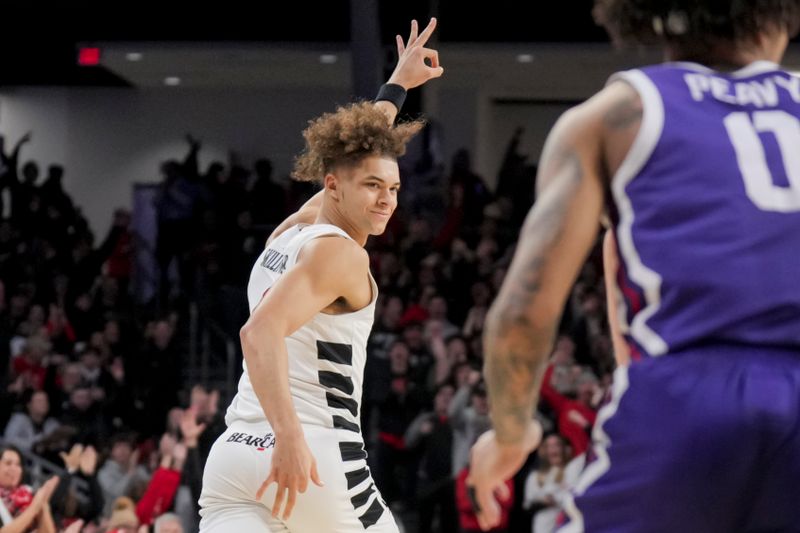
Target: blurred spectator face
pixel 389 264
pixel 392 311
pixel 419 230
pixel 90 359
pixel 36 315
pixel 486 249
pixel 441 402
pixel 162 334
pixel 564 351
pixel 457 350
pixel 81 399
pixel 398 358
pixel 98 341
pixel 111 332
pixel 83 302
pixel 461 373
pixel 476 346
pixel 412 336
pixel 245 220
pixel 19 304
pixel 587 384
pixel 109 287
pixel 61 284
pixel 426 275
pixel 70 376
pixel 30 172
pixel 438 308
pixel 554 451
pixel 37 348
pixel 56 317
pixel 590 303
pixel 39 405
pixel 121 452
pixel 10 469
pixel 480 403
pixel 480 294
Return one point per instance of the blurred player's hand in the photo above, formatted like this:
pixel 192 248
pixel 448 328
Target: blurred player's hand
pixel 491 464
pixel 292 466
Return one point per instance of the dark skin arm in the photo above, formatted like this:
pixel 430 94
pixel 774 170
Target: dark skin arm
pixel 587 144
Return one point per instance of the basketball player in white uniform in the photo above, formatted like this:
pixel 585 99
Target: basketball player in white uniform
pixel 292 458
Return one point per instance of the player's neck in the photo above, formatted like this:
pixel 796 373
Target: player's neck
pixel 328 214
pixel 728 56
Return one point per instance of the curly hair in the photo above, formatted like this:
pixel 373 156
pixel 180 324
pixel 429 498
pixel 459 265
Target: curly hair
pixel 695 24
pixel 347 136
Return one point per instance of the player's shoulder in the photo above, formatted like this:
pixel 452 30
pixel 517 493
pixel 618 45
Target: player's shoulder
pixel 617 105
pixel 335 253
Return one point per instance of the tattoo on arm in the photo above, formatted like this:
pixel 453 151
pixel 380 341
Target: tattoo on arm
pixel 625 113
pixel 517 343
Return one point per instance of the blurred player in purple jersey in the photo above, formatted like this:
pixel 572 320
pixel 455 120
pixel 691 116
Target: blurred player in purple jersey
pixel 697 162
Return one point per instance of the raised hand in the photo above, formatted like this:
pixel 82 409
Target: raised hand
pixel 292 466
pixel 190 429
pixel 89 461
pixel 72 460
pixel 179 453
pixel 412 68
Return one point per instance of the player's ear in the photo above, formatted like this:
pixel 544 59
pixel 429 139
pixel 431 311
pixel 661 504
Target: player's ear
pixel 331 183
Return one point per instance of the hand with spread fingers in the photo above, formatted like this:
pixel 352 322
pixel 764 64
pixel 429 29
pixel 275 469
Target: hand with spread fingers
pixel 292 466
pixel 416 64
pixel 491 464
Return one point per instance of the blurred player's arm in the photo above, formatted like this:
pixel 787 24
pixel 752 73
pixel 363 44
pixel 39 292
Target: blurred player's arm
pixel 557 236
pixel 553 244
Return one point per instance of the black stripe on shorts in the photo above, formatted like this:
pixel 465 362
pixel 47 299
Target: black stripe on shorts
pixel 341 422
pixel 361 498
pixel 372 515
pixel 352 451
pixel 356 476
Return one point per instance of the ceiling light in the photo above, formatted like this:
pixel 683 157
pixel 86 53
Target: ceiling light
pixel 172 81
pixel 524 58
pixel 133 56
pixel 328 59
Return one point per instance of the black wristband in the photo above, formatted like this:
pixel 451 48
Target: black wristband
pixel 391 92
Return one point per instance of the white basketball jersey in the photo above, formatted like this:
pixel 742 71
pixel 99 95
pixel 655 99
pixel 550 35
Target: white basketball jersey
pixel 326 355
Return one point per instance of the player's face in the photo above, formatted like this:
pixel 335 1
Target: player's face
pixel 369 193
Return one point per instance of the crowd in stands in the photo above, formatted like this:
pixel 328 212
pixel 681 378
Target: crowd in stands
pixel 98 415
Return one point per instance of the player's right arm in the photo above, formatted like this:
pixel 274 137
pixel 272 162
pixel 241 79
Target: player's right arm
pixel 327 269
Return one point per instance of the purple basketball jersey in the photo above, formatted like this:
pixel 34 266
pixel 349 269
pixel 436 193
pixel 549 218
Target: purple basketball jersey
pixel 708 209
